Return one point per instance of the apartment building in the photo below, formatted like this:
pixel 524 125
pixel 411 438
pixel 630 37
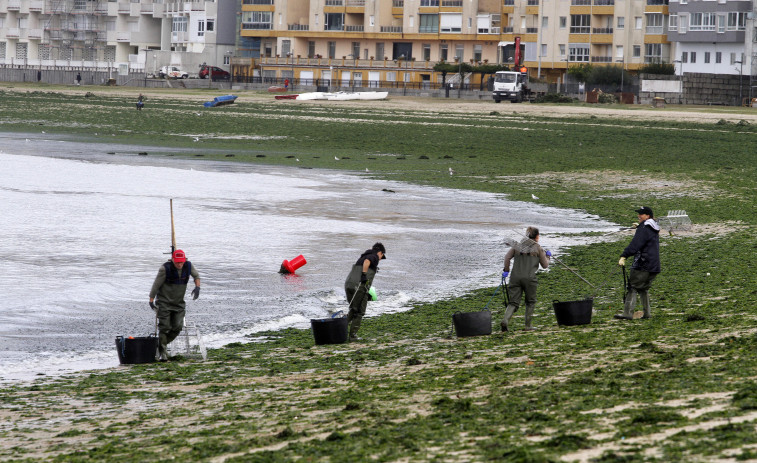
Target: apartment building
pixel 711 36
pixel 403 39
pixel 142 34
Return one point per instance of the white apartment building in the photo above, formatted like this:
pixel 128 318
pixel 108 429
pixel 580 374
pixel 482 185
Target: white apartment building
pixel 143 34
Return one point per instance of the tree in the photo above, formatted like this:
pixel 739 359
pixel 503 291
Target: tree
pixel 580 72
pixel 486 69
pixel 445 68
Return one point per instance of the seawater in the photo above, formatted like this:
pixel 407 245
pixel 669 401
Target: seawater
pixel 87 225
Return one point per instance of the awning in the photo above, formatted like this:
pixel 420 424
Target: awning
pixel 504 44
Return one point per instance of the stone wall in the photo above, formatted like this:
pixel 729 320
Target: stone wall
pixel 698 89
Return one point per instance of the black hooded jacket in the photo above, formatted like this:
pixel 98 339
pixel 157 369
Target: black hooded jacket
pixel 645 247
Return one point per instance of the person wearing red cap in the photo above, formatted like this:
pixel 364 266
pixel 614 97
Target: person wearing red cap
pixel 170 286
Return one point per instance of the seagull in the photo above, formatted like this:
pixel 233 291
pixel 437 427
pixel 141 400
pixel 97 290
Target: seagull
pixel 198 114
pixel 366 169
pixel 27 140
pixel 196 139
pixel 451 172
pixel 534 196
pixel 336 158
pixel 297 159
pixel 43 131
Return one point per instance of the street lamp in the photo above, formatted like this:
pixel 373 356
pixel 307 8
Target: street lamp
pixel 741 74
pixel 680 95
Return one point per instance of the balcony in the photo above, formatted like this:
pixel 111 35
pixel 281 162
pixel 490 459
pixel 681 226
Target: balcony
pixel 257 26
pixel 391 29
pixel 13 33
pixel 124 8
pixel 123 36
pixel 298 27
pixel 580 2
pixel 532 2
pixel 35 34
pixel 37 5
pixel 356 3
pixel 452 3
pixel 532 30
pixel 601 30
pixel 334 3
pixel 257 2
pixel 658 30
pixel 507 30
pixel 604 2
pixel 146 8
pixel 14 5
pixel 601 59
pixel 356 28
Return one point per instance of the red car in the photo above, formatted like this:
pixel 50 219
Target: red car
pixel 216 73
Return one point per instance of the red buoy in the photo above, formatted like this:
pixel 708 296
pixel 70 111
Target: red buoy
pixel 290 266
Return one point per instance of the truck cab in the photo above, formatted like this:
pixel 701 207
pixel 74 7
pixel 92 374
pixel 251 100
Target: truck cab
pixel 510 85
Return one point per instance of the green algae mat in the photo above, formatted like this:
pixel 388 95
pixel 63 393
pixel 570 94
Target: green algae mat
pixel 679 387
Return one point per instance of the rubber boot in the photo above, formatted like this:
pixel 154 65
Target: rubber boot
pixel 354 327
pixel 630 304
pixel 644 298
pixel 508 315
pixel 162 351
pixel 529 316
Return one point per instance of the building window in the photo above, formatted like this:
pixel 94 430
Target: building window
pixel 428 23
pixel 44 51
pixel 2 50
pixel 477 53
pixel 561 47
pixel 210 25
pixel 179 24
pixel 733 58
pixel 578 53
pixel 693 57
pixel 621 22
pixel 653 53
pixel 543 50
pixel 451 22
pixel 429 2
pixel 286 47
pixel 673 22
pixel 311 49
pixel 563 22
pixel 721 23
pixel 371 20
pixel 443 52
pixel 257 20
pixel 333 21
pixel 356 50
pixel 654 24
pixel 737 21
pixel 702 22
pixel 707 57
pixel 391 76
pixel 21 50
pixel 685 57
pixel 683 23
pixel 426 51
pixel 459 51
pixel 619 52
pixel 637 22
pixel 718 57
pixel 201 28
pixel 332 50
pixel 544 23
pixel 637 51
pixel 380 50
pixel 227 60
pixel 580 24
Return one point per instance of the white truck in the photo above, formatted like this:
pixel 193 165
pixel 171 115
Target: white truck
pixel 511 85
pixel 172 72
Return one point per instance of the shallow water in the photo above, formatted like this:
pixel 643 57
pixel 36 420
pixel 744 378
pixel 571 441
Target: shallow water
pixel 84 233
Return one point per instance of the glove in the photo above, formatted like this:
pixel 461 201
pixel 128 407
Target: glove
pixel 622 262
pixel 505 274
pixel 634 225
pixel 548 253
pixel 153 307
pixel 363 278
pixel 195 293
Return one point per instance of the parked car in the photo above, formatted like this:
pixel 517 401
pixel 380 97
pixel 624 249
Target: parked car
pixel 172 72
pixel 215 73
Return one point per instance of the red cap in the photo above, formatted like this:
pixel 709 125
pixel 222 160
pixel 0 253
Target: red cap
pixel 179 256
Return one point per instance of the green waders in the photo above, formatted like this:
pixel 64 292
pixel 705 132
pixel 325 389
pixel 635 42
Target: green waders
pixel 170 324
pixel 515 289
pixel 358 297
pixel 639 283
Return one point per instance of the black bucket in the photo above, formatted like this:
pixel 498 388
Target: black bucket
pixel 472 323
pixel 136 350
pixel 573 312
pixel 329 330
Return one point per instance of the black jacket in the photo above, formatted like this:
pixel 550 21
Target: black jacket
pixel 645 247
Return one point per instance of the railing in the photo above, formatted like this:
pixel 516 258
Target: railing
pixel 334 3
pixel 507 30
pixel 391 29
pixel 35 33
pixel 257 26
pixel 359 28
pixel 398 3
pixel 532 30
pixel 580 30
pixel 355 2
pixel 532 3
pixel 655 30
pixel 428 29
pixel 124 8
pixel 452 3
pixel 580 2
pixel 147 7
pixel 602 30
pixel 36 5
pixel 509 2
pixel 123 36
pixel 657 2
pixel 257 2
pixel 298 27
pixel 13 32
pixel 601 59
pixel 604 2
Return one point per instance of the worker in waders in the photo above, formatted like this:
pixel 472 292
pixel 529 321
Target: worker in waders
pixel 527 255
pixel 645 247
pixel 170 286
pixel 358 283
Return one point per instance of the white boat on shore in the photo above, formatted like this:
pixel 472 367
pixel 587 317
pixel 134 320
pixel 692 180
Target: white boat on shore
pixel 343 96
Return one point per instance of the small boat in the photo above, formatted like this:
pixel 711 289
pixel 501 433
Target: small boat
pixel 220 101
pixel 292 96
pixel 341 96
pixel 313 96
